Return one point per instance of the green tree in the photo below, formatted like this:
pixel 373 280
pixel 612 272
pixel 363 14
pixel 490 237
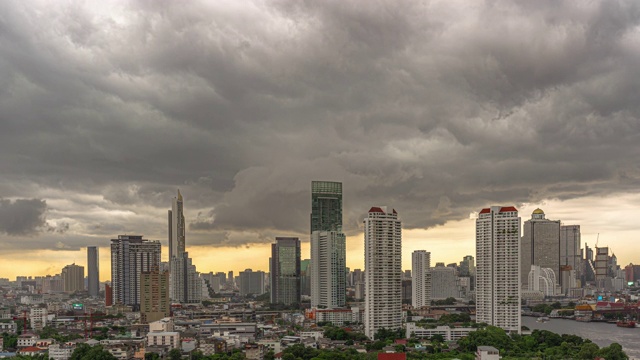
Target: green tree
pixel 151 356
pixel 175 354
pixel 613 352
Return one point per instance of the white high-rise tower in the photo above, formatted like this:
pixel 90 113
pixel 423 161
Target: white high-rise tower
pixel 328 269
pixel 383 271
pixel 498 267
pixel 421 278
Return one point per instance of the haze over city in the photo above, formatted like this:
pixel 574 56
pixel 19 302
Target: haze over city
pixel 434 108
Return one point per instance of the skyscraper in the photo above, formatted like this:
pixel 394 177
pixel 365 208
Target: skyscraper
pixel 154 295
pixel 571 264
pixel 443 282
pixel 93 272
pixel 285 270
pixel 130 256
pixel 73 278
pixel 185 285
pixel 540 245
pixel 421 278
pixel 328 269
pixel 176 227
pixel 328 246
pixel 498 267
pixel 383 271
pixel 326 206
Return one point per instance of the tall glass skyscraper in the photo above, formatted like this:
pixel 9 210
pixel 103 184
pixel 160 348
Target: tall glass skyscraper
pixel 326 206
pixel 328 246
pixel 285 270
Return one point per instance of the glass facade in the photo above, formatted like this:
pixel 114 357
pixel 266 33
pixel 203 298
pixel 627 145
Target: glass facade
pixel 326 206
pixel 285 270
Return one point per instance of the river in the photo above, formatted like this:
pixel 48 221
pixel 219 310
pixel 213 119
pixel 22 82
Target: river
pixel 602 334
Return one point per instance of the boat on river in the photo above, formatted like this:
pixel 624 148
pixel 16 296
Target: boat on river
pixel 542 319
pixel 626 324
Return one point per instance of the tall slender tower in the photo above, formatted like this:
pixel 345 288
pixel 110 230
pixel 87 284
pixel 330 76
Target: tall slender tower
pixel 328 246
pixel 421 281
pixel 93 272
pixel 285 270
pixel 176 227
pixel 498 267
pixel 184 282
pixel 383 271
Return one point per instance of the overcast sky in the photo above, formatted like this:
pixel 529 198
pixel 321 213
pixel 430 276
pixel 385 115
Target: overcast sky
pixel 435 108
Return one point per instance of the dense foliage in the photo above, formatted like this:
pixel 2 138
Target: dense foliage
pixel 86 352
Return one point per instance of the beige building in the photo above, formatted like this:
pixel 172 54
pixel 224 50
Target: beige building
pixel 170 339
pixel 73 278
pixel 154 296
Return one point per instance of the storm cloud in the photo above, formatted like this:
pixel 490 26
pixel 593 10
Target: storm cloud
pixel 22 216
pixel 435 108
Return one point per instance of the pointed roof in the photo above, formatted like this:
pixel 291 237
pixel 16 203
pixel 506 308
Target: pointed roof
pixel 179 195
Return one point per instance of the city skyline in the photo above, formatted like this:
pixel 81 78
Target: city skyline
pixel 435 108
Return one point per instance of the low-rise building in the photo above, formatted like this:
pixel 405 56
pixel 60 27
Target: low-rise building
pixel 487 353
pixel 448 333
pixel 60 352
pixel 170 338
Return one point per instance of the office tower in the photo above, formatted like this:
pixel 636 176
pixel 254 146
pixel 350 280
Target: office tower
pixel 93 271
pixel 305 277
pixel 421 279
pixel 383 271
pixel 73 278
pixel 130 256
pixel 467 266
pixel 328 267
pixel 443 282
pixel 498 267
pixel 571 264
pixel 251 282
pixel 285 271
pixel 540 245
pixel 326 206
pixel 328 246
pixel 154 295
pixel 230 279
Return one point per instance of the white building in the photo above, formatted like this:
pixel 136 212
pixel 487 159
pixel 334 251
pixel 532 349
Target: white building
pixel 170 338
pixel 38 318
pixel 487 353
pixel 443 282
pixel 383 271
pixel 60 352
pixel 498 267
pixel 328 269
pixel 421 278
pixel 542 279
pixel 448 333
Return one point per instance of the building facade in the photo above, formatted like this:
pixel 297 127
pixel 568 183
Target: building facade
pixel 540 245
pixel 252 282
pixel 498 267
pixel 130 256
pixel 571 263
pixel 73 278
pixel 328 269
pixel 421 278
pixel 326 206
pixel 154 296
pixel 93 271
pixel 285 270
pixel 443 283
pixel 383 271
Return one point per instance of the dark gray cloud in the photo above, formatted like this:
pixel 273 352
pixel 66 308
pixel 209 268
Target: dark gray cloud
pixel 434 108
pixel 22 216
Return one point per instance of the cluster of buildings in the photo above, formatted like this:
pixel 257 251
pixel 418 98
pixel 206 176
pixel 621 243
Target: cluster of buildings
pixel 160 303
